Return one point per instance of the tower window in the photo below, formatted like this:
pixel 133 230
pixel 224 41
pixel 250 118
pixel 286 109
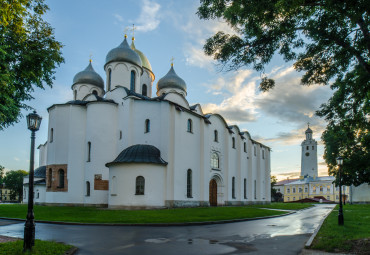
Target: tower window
pixel 109 78
pixel 144 90
pixel 147 126
pixel 140 184
pixel 245 147
pixel 189 183
pixel 51 135
pixel 88 151
pixel 233 187
pixel 190 126
pixel 233 142
pixel 216 136
pixel 132 82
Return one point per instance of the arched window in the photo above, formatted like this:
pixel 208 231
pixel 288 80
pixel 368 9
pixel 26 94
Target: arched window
pixel 245 188
pixel 233 142
pixel 140 184
pixel 88 151
pixel 216 135
pixel 189 184
pixel 190 126
pixel 147 126
pixel 87 188
pixel 245 147
pixel 75 94
pixel 109 78
pixel 51 135
pixel 95 92
pixel 132 81
pixel 144 90
pixel 233 187
pixel 114 185
pixel 215 162
pixel 50 174
pixel 61 178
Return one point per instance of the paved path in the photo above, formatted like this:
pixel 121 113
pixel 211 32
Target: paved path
pixel 283 235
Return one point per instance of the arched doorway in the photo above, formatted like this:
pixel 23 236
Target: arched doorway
pixel 213 193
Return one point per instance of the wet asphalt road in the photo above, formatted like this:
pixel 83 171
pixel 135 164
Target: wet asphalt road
pixel 282 235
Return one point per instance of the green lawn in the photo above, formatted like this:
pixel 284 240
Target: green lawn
pixel 353 236
pixel 98 215
pixel 284 206
pixel 40 248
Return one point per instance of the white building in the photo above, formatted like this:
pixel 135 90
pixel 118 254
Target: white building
pixel 115 145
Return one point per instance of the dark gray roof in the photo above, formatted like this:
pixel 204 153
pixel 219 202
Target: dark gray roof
pixel 89 76
pixel 40 172
pixel 123 53
pixel 139 153
pixel 171 80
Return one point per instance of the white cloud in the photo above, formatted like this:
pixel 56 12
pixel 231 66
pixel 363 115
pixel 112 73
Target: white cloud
pixel 118 17
pixel 149 16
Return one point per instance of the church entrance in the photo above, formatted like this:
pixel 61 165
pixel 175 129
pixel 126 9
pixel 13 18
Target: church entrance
pixel 213 193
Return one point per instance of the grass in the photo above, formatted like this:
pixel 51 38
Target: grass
pixel 284 206
pixel 40 248
pixel 353 236
pixel 98 215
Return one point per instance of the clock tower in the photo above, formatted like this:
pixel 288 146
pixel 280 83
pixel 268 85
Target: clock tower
pixel 309 155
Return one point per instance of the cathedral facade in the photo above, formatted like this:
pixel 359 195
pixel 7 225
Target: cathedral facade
pixel 115 145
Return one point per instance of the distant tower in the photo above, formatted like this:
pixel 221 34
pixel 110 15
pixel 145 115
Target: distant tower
pixel 309 155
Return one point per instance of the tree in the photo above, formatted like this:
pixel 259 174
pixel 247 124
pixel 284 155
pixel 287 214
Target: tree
pixel 1 175
pixel 14 181
pixel 275 195
pixel 329 40
pixel 29 54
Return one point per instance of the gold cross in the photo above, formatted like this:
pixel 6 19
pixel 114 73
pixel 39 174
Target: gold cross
pixel 125 30
pixel 90 56
pixel 133 30
pixel 172 59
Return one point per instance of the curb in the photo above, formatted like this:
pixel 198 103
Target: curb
pixel 152 224
pixel 309 242
pixel 71 251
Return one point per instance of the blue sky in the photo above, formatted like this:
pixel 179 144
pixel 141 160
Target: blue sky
pixel 167 29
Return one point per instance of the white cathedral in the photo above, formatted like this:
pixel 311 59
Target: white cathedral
pixel 115 145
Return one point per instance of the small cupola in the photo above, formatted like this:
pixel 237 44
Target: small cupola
pixel 171 82
pixel 87 82
pixel 308 133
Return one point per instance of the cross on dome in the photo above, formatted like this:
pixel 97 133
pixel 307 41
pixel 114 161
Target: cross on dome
pixel 172 59
pixel 90 57
pixel 133 31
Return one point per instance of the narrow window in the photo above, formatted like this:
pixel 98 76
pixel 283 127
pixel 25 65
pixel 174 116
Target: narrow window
pixel 293 190
pixel 263 154
pixel 87 188
pixel 245 147
pixel 245 188
pixel 61 178
pixel 95 92
pixel 132 83
pixel 321 188
pixel 50 174
pixel 288 190
pixel 307 148
pixel 109 79
pixel 88 151
pixel 37 194
pixel 233 187
pixel 75 94
pixel 114 185
pixel 233 142
pixel 255 189
pixel 51 135
pixel 255 151
pixel 313 147
pixel 216 135
pixel 305 189
pixel 189 184
pixel 190 126
pixel 120 135
pixel 144 90
pixel 300 190
pixel 215 162
pixel 140 183
pixel 314 189
pixel 147 126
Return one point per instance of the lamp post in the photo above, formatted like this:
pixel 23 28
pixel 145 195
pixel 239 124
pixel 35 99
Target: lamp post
pixel 33 124
pixel 340 213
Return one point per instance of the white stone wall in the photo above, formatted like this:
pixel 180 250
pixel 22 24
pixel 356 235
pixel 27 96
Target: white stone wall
pixel 121 75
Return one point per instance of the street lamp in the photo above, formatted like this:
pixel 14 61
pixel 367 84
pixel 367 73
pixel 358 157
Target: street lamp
pixel 33 124
pixel 340 214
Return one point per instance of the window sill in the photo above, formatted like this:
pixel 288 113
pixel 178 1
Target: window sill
pixel 190 132
pixel 189 197
pixel 139 194
pixel 113 195
pixel 216 169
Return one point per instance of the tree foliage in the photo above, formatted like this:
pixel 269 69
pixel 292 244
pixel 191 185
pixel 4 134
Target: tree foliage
pixel 329 41
pixel 29 54
pixel 14 181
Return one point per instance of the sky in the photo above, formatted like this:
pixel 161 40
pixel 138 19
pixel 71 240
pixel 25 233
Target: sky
pixel 166 29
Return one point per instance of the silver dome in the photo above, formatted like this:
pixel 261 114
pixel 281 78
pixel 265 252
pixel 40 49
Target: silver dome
pixel 89 76
pixel 123 53
pixel 144 59
pixel 171 80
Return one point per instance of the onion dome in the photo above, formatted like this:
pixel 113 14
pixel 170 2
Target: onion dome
pixel 171 80
pixel 144 59
pixel 123 53
pixel 89 76
pixel 308 130
pixel 139 153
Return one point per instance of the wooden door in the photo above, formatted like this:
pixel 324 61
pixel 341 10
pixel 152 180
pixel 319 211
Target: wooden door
pixel 213 192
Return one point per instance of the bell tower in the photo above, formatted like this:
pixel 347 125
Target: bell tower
pixel 309 155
